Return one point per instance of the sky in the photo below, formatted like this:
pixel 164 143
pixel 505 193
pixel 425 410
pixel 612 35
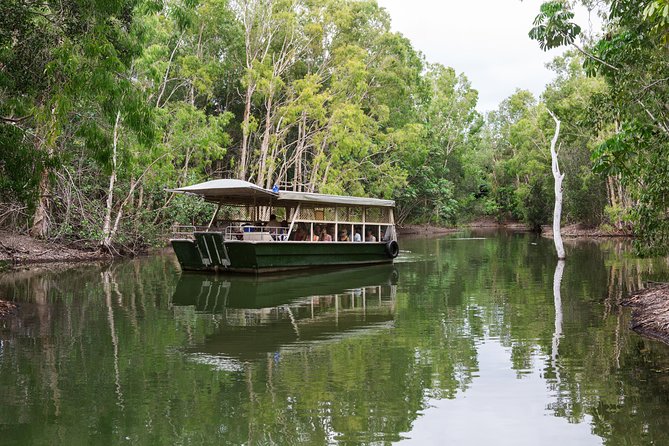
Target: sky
pixel 484 39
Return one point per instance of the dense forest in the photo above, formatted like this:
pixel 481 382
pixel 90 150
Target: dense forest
pixel 104 104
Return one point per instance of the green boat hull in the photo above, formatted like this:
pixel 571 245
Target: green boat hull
pixel 209 252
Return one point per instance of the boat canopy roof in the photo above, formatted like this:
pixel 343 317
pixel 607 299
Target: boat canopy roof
pixel 230 192
pixel 242 192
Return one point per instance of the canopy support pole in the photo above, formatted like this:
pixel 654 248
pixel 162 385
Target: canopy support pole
pixel 213 217
pixel 292 221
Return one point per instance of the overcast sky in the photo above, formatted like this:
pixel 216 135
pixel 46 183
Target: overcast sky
pixel 484 39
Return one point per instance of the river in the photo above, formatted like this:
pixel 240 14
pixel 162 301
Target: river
pixel 473 338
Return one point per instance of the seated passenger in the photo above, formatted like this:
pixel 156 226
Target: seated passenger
pixel 283 230
pixel 369 236
pixel 325 237
pixel 273 222
pixel 356 236
pixel 343 235
pixel 300 234
pixel 316 234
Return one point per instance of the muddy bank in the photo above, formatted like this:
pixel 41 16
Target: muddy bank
pixel 580 231
pixel 483 223
pixel 425 230
pixel 650 311
pixel 17 249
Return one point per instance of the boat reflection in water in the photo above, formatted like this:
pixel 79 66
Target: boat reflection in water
pixel 257 317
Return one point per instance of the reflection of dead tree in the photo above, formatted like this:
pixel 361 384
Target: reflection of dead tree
pixel 108 282
pixel 557 332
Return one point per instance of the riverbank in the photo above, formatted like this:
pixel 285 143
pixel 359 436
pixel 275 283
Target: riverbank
pixel 650 311
pixel 483 223
pixel 17 249
pixel 425 230
pixel 580 231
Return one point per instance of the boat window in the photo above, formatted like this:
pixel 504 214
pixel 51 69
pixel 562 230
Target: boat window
pixel 330 214
pixel 307 213
pixel 349 214
pixel 235 213
pixel 280 213
pixel 377 215
pixel 355 214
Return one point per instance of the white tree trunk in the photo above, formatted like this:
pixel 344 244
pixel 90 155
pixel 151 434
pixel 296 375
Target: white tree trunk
pixel 557 332
pixel 106 226
pixel 557 210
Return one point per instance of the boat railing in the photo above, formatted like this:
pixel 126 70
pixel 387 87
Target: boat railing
pixel 187 231
pixel 256 233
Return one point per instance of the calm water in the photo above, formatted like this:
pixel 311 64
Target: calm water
pixel 466 340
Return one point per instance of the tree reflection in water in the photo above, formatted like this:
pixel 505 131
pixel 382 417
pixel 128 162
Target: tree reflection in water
pixel 131 352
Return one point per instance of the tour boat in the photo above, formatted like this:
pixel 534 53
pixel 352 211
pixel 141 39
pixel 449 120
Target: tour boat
pixel 256 230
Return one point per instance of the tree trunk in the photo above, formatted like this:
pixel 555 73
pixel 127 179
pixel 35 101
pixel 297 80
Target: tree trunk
pixel 557 210
pixel 44 141
pixel 40 226
pixel 241 168
pixel 264 145
pixel 106 226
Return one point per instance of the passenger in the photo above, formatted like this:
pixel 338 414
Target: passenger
pixel 325 237
pixel 356 236
pixel 369 237
pixel 315 236
pixel 300 234
pixel 283 231
pixel 343 235
pixel 273 223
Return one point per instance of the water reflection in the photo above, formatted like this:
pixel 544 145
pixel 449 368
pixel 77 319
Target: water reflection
pixel 470 332
pixel 260 316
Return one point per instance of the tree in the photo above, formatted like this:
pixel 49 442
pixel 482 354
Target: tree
pixel 632 58
pixel 558 177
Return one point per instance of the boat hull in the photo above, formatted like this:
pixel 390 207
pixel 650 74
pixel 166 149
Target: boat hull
pixel 209 252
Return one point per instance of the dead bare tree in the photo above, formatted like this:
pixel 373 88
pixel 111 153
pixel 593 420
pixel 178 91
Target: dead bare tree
pixel 559 177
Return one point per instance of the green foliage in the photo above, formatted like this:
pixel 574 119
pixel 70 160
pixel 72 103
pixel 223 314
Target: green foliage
pixel 553 26
pixel 537 203
pixel 117 101
pixel 631 115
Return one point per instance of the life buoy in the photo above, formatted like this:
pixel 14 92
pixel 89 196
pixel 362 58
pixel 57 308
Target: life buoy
pixel 392 249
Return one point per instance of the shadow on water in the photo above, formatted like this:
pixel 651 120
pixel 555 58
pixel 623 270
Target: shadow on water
pixel 469 330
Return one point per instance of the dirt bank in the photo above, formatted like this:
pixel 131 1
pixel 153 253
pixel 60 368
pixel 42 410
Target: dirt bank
pixel 16 249
pixel 650 311
pixel 424 230
pixel 484 223
pixel 580 231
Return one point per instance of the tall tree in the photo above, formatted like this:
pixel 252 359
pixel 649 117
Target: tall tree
pixel 632 58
